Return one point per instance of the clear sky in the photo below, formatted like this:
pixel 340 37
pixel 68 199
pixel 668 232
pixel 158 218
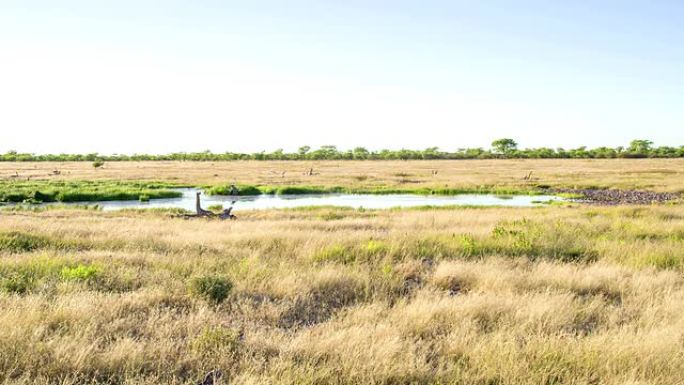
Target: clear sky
pixel 161 76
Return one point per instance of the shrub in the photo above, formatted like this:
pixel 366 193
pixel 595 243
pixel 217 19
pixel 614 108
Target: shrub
pixel 212 288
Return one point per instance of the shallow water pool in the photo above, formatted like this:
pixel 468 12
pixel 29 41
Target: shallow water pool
pixel 369 201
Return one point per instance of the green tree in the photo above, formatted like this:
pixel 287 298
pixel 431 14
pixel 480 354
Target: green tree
pixel 504 146
pixel 431 153
pixel 640 146
pixel 360 153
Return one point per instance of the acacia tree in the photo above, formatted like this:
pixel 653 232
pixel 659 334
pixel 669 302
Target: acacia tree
pixel 360 153
pixel 504 146
pixel 303 150
pixel 640 146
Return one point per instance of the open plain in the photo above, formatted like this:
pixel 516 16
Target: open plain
pixel 649 174
pixel 566 294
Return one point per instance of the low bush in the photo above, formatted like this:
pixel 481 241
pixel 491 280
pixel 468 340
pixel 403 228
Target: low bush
pixel 212 288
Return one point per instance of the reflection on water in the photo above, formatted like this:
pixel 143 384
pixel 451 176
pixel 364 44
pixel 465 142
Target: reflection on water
pixel 260 202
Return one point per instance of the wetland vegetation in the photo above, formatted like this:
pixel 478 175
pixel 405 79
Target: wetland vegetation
pixel 82 191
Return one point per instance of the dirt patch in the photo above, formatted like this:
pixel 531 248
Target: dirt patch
pixel 612 197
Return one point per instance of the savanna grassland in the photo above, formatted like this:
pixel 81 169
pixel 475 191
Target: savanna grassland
pixel 649 174
pixel 572 294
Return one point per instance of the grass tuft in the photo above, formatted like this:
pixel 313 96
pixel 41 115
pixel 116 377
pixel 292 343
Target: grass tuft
pixel 215 289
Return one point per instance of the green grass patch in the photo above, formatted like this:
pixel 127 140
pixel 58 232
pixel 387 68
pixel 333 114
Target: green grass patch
pixel 559 241
pixel 658 260
pixel 243 190
pixel 304 189
pixel 522 238
pixel 83 191
pixel 80 272
pixel 52 207
pixel 21 241
pixel 25 276
pixel 375 247
pixel 18 242
pixel 335 253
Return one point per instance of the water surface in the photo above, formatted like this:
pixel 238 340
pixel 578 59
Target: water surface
pixel 369 201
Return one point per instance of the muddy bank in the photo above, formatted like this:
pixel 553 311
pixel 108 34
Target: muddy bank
pixel 620 197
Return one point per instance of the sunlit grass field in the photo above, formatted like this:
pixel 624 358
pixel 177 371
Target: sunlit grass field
pixel 649 174
pixel 554 295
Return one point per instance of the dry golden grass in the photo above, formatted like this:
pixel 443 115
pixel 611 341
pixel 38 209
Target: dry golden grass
pixel 651 174
pixel 555 295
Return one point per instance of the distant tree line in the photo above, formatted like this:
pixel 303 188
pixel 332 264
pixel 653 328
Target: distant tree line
pixel 501 149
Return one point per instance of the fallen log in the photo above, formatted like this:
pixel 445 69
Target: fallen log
pixel 202 213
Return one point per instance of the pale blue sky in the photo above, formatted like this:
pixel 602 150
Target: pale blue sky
pixel 144 76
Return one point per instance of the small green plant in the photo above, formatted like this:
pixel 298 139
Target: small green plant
pixel 144 198
pixel 212 288
pixel 79 272
pixel 387 271
pixel 468 245
pixel 373 247
pixel 98 163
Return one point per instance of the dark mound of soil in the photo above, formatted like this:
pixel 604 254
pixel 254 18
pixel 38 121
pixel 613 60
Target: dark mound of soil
pixel 620 197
